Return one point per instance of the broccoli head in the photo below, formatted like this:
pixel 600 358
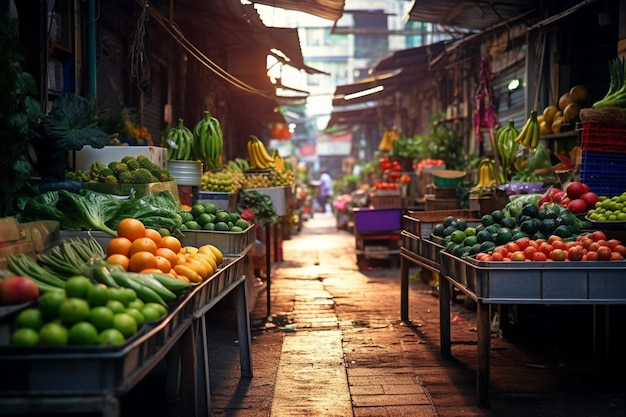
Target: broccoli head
pixel 146 163
pixel 165 175
pixel 124 177
pixel 132 164
pixel 120 167
pixel 142 176
pixel 127 158
pixel 110 179
pixel 113 164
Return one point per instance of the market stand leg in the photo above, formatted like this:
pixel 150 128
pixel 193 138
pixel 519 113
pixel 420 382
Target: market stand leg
pixel 483 334
pixel 404 289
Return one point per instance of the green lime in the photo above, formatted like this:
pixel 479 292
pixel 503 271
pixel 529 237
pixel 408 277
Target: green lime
pixel 185 216
pixel 101 317
pixel 111 337
pixel 125 323
pixel 458 236
pixel 25 337
pixel 136 314
pixel 50 302
pixel 242 223
pixel 53 334
pixel 192 225
pixel 235 229
pixel 203 219
pixel 128 295
pixel 98 295
pixel 78 286
pixel 208 226
pixel 30 318
pixel 116 306
pixel 83 333
pixel 73 310
pixel 136 304
pixel 222 227
pixel 470 231
pixel 234 216
pixel 222 216
pixel 163 232
pixel 118 294
pixel 151 313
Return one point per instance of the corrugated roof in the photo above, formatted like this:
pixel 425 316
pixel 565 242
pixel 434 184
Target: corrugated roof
pixel 475 14
pixel 327 9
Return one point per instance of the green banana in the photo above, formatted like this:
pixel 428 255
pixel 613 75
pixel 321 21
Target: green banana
pixel 507 146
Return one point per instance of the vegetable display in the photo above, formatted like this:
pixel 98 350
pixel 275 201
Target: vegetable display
pixel 616 94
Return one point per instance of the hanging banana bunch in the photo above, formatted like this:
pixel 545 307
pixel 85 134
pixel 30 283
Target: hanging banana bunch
pixel 259 157
pixel 485 179
pixel 386 142
pixel 529 135
pixel 180 143
pixel 507 147
pixel 494 173
pixel 209 140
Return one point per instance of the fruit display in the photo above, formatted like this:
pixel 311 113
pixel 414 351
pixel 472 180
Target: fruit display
pixel 89 295
pixel 258 154
pixel 180 143
pixel 565 110
pixel 609 209
pixel 529 134
pixel 503 226
pixel 589 246
pixel 507 146
pixel 225 181
pixel 387 140
pixel 208 141
pixel 271 178
pixel 577 197
pixel 207 217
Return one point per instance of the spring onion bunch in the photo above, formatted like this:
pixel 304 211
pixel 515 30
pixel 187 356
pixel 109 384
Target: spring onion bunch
pixel 616 95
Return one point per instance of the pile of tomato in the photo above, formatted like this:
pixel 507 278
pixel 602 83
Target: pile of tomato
pixel 590 246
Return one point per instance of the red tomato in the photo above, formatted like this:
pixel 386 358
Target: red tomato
pixel 512 247
pixel 621 249
pixel 613 243
pixel 497 256
pixel 529 251
pixel 523 242
pixel 559 244
pixel 539 256
pixel 592 256
pixel 575 253
pixel 598 235
pixel 616 256
pixel 518 256
pixel 604 253
pixel 553 238
pixel 558 255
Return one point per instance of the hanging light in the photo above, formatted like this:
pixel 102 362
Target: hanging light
pixel 514 84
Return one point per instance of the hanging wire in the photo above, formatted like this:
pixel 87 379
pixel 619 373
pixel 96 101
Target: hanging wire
pixel 175 32
pixel 139 65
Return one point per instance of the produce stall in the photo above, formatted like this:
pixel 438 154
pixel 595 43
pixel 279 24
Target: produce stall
pixel 93 379
pixel 553 272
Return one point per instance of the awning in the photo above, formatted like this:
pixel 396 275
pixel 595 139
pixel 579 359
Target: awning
pixel 476 15
pixel 326 9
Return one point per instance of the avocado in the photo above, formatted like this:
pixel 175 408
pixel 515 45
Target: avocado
pixel 487 220
pixel 497 216
pixel 503 236
pixel 530 210
pixel 547 226
pixel 563 231
pixel 508 222
pixel 438 229
pixel 484 236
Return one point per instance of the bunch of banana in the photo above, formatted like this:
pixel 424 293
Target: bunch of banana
pixel 529 135
pixel 386 142
pixel 180 144
pixel 485 180
pixel 209 140
pixel 507 146
pixel 279 161
pixel 259 157
pixel 494 173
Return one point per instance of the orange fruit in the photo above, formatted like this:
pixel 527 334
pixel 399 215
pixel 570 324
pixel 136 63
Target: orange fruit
pixel 171 242
pixel 143 244
pixel 119 245
pixel 151 271
pixel 154 235
pixel 168 254
pixel 119 259
pixel 142 260
pixel 163 264
pixel 131 229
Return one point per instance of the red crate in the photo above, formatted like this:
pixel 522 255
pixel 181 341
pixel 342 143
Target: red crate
pixel 603 136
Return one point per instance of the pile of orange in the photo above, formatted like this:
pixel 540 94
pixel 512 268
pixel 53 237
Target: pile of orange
pixel 141 249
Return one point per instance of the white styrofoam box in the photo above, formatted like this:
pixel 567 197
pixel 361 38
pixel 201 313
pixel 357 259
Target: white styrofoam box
pixel 82 160
pixel 278 196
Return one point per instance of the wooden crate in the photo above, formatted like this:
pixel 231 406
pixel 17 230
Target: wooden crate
pixel 385 201
pixel 431 203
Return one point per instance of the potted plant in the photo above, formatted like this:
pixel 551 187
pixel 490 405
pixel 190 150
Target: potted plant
pixel 405 150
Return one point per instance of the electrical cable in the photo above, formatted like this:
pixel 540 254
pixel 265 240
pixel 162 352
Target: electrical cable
pixel 174 31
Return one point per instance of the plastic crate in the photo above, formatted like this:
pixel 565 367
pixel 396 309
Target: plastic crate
pixel 420 223
pixel 223 201
pixel 604 172
pixel 385 201
pixel 230 243
pixel 368 220
pixel 603 136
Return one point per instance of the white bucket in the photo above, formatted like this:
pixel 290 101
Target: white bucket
pixel 186 172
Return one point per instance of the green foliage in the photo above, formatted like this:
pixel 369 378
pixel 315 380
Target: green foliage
pixel 19 112
pixel 260 204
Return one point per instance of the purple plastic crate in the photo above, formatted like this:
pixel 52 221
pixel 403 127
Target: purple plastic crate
pixel 369 220
pixel 604 172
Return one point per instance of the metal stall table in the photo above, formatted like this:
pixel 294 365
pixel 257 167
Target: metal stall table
pixel 74 379
pixel 598 283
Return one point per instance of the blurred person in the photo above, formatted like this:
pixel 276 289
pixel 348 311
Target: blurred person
pixel 326 189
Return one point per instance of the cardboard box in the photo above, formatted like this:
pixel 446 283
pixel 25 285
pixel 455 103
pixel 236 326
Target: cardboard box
pixel 82 160
pixel 9 229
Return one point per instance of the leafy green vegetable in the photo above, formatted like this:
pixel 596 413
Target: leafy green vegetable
pixel 70 124
pixel 91 208
pixel 260 204
pixel 155 210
